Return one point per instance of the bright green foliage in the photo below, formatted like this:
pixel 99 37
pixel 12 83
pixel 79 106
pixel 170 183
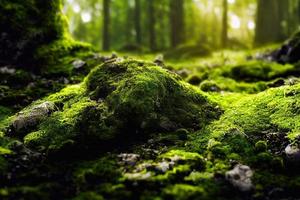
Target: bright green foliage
pixel 184 191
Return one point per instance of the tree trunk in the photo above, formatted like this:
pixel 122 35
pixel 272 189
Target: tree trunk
pixel 268 27
pixel 152 23
pixel 25 26
pixel 137 21
pixel 225 24
pixel 177 22
pixel 106 25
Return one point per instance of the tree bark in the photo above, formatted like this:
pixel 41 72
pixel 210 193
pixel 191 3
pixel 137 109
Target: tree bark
pixel 106 25
pixel 225 24
pixel 152 23
pixel 27 25
pixel 177 22
pixel 268 25
pixel 137 22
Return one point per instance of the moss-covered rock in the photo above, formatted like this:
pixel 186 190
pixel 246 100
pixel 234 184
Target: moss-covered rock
pixel 119 99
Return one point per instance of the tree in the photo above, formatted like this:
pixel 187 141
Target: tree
pixel 151 24
pixel 268 23
pixel 106 25
pixel 137 22
pixel 26 26
pixel 225 24
pixel 177 22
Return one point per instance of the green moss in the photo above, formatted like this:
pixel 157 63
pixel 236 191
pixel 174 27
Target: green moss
pixel 209 86
pixel 88 196
pixel 260 71
pixel 184 191
pixel 275 110
pixel 149 95
pixel 59 54
pixel 99 171
pixel 24 31
pixel 43 41
pixel 4 112
pixel 122 98
pixel 261 146
pixel 194 79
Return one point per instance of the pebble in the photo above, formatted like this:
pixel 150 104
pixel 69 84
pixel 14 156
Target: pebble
pixel 240 177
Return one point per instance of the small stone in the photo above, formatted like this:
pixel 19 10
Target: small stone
pixel 276 193
pixel 159 60
pixel 176 159
pixel 7 70
pixel 138 176
pixel 184 73
pixel 77 64
pixel 240 177
pixel 292 152
pixel 129 158
pixel 31 118
pixel 163 166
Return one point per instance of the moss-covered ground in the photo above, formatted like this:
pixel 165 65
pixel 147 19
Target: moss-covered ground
pixel 78 125
pixel 135 130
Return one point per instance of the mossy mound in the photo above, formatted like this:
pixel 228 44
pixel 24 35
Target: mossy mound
pixel 248 77
pixel 273 111
pixel 261 71
pixel 119 99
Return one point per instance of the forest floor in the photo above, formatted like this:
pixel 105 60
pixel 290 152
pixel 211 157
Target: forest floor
pixel 225 126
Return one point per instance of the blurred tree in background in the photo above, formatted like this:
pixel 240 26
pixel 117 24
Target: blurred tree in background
pixel 158 25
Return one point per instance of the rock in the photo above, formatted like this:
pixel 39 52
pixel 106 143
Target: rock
pixel 129 158
pixel 182 133
pixel 184 73
pixel 209 86
pixel 240 177
pixel 7 70
pixel 292 152
pixel 138 176
pixel 194 80
pixel 163 166
pixel 128 99
pixel 33 116
pixel 159 60
pixel 276 193
pixel 78 64
pixel 276 83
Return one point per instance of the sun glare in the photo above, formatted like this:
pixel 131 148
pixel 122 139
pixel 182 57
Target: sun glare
pixel 235 22
pixel 86 17
pixel 251 25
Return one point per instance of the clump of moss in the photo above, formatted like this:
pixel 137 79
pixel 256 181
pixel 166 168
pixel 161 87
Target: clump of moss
pixel 152 96
pixel 209 86
pixel 261 71
pixel 261 146
pixel 194 79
